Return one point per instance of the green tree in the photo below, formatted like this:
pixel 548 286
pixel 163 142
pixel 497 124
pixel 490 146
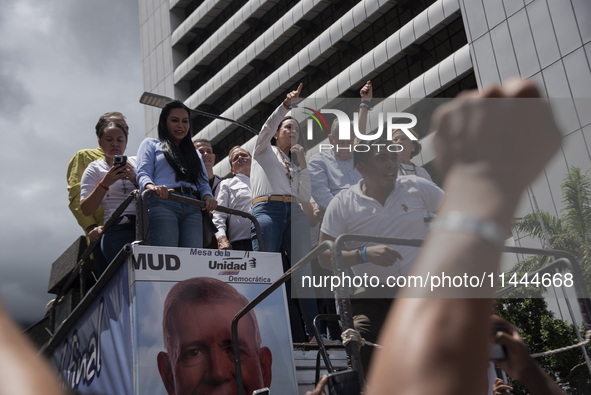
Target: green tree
pixel 539 328
pixel 571 232
pixel 541 331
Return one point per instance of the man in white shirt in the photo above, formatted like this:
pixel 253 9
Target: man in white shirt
pixel 233 230
pixel 381 204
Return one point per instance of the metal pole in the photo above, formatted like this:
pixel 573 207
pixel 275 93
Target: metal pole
pixel 155 100
pixel 282 280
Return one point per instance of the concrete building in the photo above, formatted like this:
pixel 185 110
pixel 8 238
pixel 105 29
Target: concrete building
pixel 238 58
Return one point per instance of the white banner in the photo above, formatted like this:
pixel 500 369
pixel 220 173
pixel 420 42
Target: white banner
pixel 198 357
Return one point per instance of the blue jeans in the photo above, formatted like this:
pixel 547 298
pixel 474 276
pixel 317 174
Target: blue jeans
pixel 174 224
pixel 100 263
pixel 116 237
pixel 284 228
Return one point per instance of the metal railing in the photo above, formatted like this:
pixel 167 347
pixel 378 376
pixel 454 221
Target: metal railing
pixel 566 261
pixel 144 228
pixel 142 233
pixel 246 309
pixel 78 271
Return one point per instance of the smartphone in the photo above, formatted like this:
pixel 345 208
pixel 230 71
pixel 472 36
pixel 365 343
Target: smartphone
pixel 262 391
pixel 120 160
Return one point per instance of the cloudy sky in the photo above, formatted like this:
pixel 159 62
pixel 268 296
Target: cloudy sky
pixel 62 64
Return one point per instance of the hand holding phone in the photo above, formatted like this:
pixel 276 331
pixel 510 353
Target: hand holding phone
pixel 120 160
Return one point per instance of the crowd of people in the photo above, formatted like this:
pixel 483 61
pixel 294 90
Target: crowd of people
pixel 429 345
pixel 376 192
pixel 273 183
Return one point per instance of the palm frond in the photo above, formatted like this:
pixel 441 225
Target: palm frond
pixel 530 225
pixel 576 196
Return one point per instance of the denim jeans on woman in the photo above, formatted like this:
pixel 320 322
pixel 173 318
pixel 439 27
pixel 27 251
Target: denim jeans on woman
pixel 115 237
pixel 284 227
pixel 174 224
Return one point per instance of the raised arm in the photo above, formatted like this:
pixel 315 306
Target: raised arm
pixel 272 123
pixel 444 341
pixel 366 95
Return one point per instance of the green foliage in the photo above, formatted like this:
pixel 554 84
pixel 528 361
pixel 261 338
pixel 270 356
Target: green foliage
pixel 541 331
pixel 576 195
pixel 539 328
pixel 571 232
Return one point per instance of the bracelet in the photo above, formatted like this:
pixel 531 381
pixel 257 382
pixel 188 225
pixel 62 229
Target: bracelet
pixel 103 185
pixel 456 221
pixel 365 104
pixel 364 255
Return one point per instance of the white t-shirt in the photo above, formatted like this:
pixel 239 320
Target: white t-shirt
pixel 351 211
pixel 233 193
pixel 117 192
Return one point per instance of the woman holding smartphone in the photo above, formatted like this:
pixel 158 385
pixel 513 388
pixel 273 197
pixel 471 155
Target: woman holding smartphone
pixel 108 184
pixel 171 164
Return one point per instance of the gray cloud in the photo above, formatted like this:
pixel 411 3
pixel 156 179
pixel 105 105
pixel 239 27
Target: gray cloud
pixel 113 21
pixel 14 94
pixel 62 65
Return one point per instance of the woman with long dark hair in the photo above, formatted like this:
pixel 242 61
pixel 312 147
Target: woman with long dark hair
pixel 170 164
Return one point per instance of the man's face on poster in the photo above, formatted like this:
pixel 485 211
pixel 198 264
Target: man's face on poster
pixel 201 361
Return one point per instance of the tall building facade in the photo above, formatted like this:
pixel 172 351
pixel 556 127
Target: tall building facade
pixel 238 58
